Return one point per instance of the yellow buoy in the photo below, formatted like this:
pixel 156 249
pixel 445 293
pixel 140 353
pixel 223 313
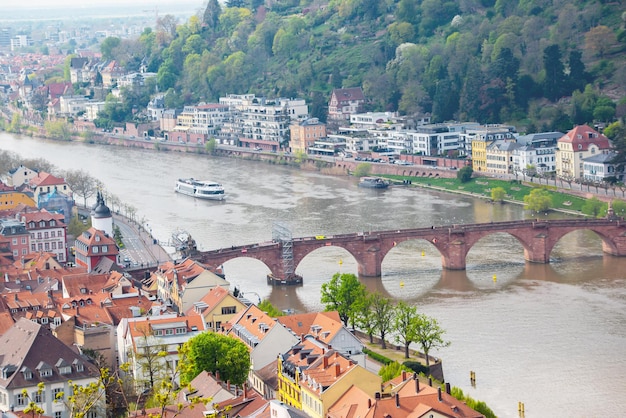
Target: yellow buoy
pixel 401 284
pixel 423 253
pixel 495 278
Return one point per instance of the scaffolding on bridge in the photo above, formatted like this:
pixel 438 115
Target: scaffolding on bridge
pixel 281 233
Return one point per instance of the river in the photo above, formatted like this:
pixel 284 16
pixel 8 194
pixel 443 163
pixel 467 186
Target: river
pixel 550 336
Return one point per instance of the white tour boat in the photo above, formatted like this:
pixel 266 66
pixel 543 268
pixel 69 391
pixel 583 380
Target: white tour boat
pixel 202 189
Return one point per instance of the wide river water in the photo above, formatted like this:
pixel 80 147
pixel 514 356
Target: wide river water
pixel 550 336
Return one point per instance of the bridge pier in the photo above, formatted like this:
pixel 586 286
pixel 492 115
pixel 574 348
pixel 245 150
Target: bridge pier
pixel 454 257
pixel 539 251
pixel 370 262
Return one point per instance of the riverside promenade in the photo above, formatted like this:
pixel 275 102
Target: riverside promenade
pixel 141 245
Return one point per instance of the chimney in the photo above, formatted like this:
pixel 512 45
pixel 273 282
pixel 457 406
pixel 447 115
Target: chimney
pixel 245 391
pixel 397 400
pixel 430 381
pixel 403 375
pixel 325 361
pixel 377 395
pixel 448 388
pixel 439 394
pixel 228 385
pixel 337 369
pixel 217 375
pixel 417 386
pixel 369 403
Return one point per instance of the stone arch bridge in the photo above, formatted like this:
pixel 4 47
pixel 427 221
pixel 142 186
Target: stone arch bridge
pixel 537 237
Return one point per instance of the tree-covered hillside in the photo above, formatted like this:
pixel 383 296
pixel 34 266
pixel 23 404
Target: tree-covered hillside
pixel 543 64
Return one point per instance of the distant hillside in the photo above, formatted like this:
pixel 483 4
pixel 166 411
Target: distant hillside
pixel 539 63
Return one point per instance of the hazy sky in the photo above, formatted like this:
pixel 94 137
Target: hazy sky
pixel 59 4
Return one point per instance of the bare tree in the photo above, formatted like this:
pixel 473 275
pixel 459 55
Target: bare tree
pixel 81 183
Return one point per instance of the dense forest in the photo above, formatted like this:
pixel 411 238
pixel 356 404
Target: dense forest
pixel 539 64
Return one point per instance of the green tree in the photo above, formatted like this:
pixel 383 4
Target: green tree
pixel 362 170
pixel 364 316
pixel 211 146
pixel 465 174
pixel 16 123
pixel 538 200
pixel 593 207
pixel 383 315
pixel 404 325
pixel 391 370
pixel 215 353
pixel 498 194
pixel 267 307
pixel 108 46
pixel 429 335
pixel 342 294
pixel 58 129
pixel 554 82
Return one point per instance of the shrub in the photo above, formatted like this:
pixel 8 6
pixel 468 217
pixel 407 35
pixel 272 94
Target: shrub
pixel 417 367
pixel 465 174
pixel 378 357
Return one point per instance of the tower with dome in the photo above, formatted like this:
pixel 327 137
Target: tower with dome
pixel 101 217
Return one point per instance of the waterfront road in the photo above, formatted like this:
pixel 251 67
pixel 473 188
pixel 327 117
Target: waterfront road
pixel 140 248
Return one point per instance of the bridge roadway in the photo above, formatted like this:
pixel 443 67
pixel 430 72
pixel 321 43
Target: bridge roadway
pixel 538 238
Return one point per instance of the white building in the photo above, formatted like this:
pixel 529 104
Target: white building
pixel 599 168
pixel 31 355
pixel 163 333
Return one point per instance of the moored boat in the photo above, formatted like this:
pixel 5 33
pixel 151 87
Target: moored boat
pixel 202 189
pixel 373 183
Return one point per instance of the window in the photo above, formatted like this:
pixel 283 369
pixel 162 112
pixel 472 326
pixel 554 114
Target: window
pixel 38 397
pixel 105 248
pixel 65 370
pixel 40 246
pixel 58 414
pixel 14 241
pixel 57 393
pixel 95 249
pixel 79 367
pixel 20 399
pixel 46 235
pixel 181 330
pixel 45 372
pixel 228 310
pixel 158 332
pixel 169 332
pixel 53 223
pixel 23 240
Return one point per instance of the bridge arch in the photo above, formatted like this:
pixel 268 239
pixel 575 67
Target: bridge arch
pixel 609 245
pixel 334 248
pixel 474 239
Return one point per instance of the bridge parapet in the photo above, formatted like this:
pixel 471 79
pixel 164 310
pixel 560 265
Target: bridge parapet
pixel 537 237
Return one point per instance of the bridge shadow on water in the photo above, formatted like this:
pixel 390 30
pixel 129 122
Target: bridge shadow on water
pixel 463 283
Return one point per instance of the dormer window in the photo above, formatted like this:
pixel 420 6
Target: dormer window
pixel 42 224
pixel 53 223
pixel 97 238
pixel 78 366
pixel 105 248
pixel 28 374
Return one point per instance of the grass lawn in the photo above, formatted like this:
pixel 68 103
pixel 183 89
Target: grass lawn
pixel 481 187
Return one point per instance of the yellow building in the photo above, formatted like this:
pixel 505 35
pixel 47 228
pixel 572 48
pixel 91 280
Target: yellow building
pixel 479 138
pixel 576 145
pixel 217 307
pixel 290 367
pixel 305 133
pixel 10 200
pixel 499 156
pixel 328 378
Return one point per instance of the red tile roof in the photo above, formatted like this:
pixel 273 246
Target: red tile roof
pixel 582 136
